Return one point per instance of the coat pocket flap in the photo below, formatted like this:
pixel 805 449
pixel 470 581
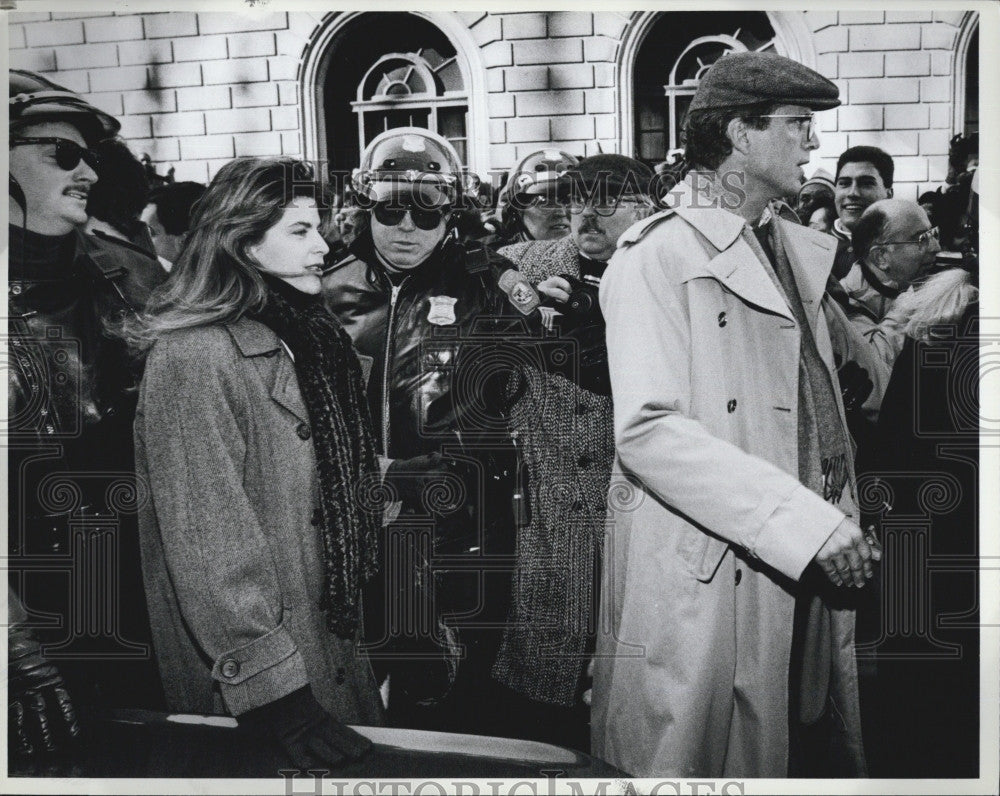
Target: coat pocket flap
pixel 702 553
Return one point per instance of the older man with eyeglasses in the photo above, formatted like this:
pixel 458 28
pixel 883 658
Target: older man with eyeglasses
pixel 896 247
pixel 72 389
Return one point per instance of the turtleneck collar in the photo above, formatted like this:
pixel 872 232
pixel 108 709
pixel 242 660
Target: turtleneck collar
pixel 37 256
pixel 299 300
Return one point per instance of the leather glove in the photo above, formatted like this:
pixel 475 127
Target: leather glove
pixel 855 385
pixel 42 719
pixel 416 482
pixel 309 736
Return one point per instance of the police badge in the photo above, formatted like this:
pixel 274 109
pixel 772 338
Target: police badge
pixel 442 311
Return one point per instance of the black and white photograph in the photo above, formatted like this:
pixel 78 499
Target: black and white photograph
pixel 547 398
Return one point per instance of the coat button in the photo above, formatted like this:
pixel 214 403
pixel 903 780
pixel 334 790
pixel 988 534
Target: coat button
pixel 722 319
pixel 340 676
pixel 584 461
pixel 317 517
pixel 230 668
pixel 582 409
pixel 303 431
pixel 739 576
pixel 731 406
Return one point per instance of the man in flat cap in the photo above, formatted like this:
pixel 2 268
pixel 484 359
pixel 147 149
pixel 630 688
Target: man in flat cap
pixel 563 427
pixel 725 648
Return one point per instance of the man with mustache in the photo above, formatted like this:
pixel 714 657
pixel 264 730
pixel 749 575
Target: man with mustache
pixel 72 389
pixel 564 428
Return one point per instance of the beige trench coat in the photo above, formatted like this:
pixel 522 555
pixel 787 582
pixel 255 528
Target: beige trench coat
pixel 707 538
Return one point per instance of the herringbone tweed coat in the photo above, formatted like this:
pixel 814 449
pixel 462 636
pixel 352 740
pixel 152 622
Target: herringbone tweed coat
pixel 566 436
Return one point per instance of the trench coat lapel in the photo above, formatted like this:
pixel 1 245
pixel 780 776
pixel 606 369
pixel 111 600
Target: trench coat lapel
pixel 810 254
pixel 739 269
pixel 736 265
pixel 254 339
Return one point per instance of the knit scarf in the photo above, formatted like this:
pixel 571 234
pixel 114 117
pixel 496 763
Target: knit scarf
pixel 329 377
pixel 824 448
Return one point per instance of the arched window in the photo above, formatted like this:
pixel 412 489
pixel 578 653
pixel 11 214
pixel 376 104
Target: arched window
pixel 367 71
pixel 419 89
pixel 677 50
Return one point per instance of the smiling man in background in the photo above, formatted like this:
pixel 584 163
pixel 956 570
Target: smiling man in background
pixel 864 176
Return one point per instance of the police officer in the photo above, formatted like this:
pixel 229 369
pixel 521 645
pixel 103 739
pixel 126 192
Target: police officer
pixel 72 497
pixel 529 206
pixel 442 329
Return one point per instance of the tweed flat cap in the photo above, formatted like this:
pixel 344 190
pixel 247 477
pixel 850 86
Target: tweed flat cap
pixel 612 173
pixel 749 78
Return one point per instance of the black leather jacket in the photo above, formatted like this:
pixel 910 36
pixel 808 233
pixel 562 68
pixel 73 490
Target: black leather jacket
pixel 444 345
pixel 72 389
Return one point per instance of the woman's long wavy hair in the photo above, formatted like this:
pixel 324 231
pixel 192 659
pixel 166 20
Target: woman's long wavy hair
pixel 215 279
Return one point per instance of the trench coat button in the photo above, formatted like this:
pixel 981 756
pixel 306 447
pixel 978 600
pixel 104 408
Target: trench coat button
pixel 317 517
pixel 584 461
pixel 722 319
pixel 303 431
pixel 15 289
pixel 731 406
pixel 739 576
pixel 230 668
pixel 340 676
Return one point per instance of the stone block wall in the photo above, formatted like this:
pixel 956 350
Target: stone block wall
pixel 894 70
pixel 195 89
pixel 192 90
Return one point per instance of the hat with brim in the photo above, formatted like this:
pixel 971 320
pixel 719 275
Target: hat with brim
pixel 35 100
pixel 741 79
pixel 609 177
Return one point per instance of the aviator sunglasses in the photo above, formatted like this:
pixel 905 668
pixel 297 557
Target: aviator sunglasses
pixel 390 213
pixel 68 153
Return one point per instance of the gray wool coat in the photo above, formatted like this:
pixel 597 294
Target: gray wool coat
pixel 231 558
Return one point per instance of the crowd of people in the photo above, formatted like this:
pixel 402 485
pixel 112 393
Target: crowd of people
pixel 591 463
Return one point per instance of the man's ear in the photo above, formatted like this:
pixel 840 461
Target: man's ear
pixel 736 131
pixel 876 256
pixel 888 193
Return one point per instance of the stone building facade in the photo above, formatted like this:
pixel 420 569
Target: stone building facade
pixel 194 90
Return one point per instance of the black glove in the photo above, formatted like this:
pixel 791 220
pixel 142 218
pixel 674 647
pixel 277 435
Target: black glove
pixel 426 482
pixel 311 737
pixel 42 718
pixel 855 386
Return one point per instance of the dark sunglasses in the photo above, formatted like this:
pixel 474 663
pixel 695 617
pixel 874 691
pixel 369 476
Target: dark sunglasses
pixel 392 212
pixel 68 153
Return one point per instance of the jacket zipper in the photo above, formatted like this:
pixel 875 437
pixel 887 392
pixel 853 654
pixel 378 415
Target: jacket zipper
pixel 385 366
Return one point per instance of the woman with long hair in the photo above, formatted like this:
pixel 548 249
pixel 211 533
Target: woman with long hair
pixel 254 437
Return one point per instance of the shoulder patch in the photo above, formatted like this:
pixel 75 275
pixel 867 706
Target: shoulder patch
pixel 639 229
